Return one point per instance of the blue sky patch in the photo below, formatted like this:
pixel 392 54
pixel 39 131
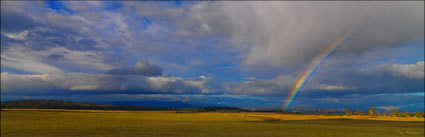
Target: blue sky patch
pixel 58 6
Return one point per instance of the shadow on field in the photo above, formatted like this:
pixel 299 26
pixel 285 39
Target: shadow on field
pixel 265 119
pixel 348 122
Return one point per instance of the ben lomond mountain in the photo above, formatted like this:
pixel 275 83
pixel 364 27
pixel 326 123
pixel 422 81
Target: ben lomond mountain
pixel 61 104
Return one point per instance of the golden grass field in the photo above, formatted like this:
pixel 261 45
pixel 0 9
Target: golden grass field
pixel 99 123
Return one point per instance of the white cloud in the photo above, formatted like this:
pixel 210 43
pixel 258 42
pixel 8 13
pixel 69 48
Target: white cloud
pixel 28 60
pixel 84 87
pixel 408 70
pixel 25 60
pixel 27 82
pixel 59 81
pixel 17 36
pixel 388 108
pixel 331 87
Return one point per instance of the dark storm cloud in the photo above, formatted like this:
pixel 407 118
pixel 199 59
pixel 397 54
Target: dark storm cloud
pixel 50 37
pixel 145 76
pixel 84 83
pixel 15 22
pixel 288 33
pixel 364 87
pixel 55 56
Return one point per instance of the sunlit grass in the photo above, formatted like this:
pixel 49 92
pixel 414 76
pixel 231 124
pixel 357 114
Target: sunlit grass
pixel 43 123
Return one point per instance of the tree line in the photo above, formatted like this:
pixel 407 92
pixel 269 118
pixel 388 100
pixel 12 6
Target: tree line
pixel 372 111
pixel 209 109
pixel 61 104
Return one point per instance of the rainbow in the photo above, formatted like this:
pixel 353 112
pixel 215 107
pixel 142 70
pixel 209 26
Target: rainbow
pixel 312 68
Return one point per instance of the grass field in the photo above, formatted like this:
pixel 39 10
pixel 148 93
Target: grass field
pixel 45 123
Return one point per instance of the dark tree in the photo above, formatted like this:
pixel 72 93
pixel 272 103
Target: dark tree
pixel 360 112
pixel 419 114
pixel 371 111
pixel 406 113
pixel 348 112
pixel 395 113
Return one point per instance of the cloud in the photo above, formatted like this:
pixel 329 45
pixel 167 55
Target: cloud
pixel 408 70
pixel 102 84
pixel 24 59
pixel 16 22
pixel 17 36
pixel 289 33
pixel 40 61
pixel 40 40
pixel 77 58
pixel 366 81
pixel 373 79
pixel 367 91
pixel 228 50
pixel 332 87
pixel 179 85
pixel 389 108
pixel 142 67
pixel 11 81
pixel 279 85
pixel 84 87
pixel 54 83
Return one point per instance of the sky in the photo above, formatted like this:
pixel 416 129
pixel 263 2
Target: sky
pixel 214 53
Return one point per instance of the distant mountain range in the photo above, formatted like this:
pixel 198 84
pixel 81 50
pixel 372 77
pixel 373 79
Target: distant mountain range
pixel 61 104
